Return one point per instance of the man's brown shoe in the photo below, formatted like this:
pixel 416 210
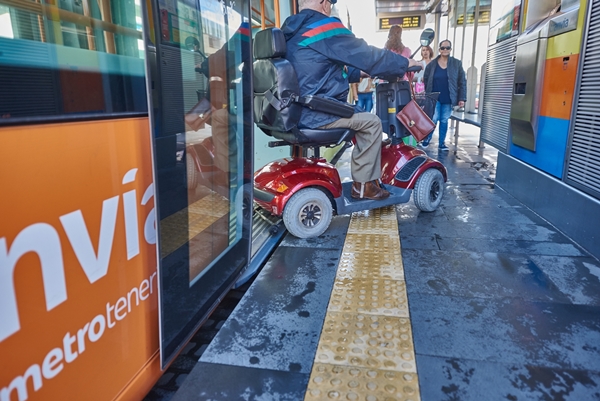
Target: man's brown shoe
pixel 370 190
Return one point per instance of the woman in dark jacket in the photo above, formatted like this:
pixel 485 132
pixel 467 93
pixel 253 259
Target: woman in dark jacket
pixel 445 75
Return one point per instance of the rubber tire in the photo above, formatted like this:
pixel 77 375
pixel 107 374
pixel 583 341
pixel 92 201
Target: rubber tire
pixel 191 172
pixel 297 203
pixel 423 188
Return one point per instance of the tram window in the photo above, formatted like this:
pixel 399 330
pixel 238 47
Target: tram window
pixel 204 46
pixel 70 59
pixel 271 13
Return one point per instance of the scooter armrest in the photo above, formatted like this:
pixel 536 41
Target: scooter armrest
pixel 328 106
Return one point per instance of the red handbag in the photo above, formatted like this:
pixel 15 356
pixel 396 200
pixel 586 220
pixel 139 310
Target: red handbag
pixel 415 120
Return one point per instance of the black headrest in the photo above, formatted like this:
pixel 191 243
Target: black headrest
pixel 269 43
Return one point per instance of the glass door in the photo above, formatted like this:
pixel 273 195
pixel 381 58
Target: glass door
pixel 200 70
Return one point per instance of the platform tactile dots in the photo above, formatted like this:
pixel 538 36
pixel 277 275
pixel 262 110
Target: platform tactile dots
pixel 368 341
pixel 351 383
pixel 374 242
pixel 371 226
pixel 377 296
pixel 370 265
pixel 366 350
pixel 384 213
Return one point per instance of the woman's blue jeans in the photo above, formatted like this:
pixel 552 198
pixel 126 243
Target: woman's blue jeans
pixel 442 114
pixel 365 100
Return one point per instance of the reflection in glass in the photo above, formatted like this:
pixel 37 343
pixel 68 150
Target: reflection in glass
pixel 264 13
pixel 210 36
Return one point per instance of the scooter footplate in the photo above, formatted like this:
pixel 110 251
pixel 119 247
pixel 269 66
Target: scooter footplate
pixel 347 204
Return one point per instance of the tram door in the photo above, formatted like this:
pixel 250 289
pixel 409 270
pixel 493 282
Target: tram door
pixel 199 64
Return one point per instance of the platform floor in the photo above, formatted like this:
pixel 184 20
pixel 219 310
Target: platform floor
pixel 502 306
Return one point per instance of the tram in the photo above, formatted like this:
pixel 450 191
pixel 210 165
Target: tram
pixel 108 169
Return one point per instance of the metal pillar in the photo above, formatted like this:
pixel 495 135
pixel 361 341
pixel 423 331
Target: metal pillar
pixel 455 25
pixel 462 48
pixel 438 23
pixel 472 74
pixel 475 26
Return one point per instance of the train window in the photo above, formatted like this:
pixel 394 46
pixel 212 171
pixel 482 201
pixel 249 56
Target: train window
pixel 70 59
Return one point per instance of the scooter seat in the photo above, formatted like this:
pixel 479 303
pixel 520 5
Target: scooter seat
pixel 315 137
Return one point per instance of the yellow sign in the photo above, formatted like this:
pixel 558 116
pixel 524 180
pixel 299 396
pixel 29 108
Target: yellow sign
pixel 484 18
pixel 406 22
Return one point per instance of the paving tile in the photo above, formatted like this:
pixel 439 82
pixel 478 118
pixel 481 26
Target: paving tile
pixel 372 296
pixel 479 275
pixel 577 278
pixel 211 382
pixel 411 242
pixel 410 214
pixel 469 380
pixel 367 341
pixel 508 246
pixel 487 196
pixel 509 330
pixel 544 233
pixel 497 215
pixel 490 231
pixel 277 324
pixel 449 200
pixel 459 176
pixel 333 238
pixel 371 265
pixel 440 228
pixel 353 383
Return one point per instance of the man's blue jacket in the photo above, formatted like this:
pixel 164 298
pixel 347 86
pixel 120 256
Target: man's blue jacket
pixel 319 47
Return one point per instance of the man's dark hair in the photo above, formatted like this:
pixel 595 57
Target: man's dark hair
pixel 446 40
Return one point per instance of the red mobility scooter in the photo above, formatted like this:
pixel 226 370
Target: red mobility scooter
pixel 305 189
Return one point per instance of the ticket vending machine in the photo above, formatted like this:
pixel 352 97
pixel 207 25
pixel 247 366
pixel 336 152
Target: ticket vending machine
pixel 530 68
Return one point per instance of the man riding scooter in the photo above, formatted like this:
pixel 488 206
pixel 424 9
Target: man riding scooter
pixel 327 57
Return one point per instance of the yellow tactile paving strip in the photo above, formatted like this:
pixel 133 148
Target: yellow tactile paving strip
pixel 366 348
pixel 197 217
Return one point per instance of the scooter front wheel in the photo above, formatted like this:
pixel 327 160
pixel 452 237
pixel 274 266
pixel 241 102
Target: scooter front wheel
pixel 308 213
pixel 429 190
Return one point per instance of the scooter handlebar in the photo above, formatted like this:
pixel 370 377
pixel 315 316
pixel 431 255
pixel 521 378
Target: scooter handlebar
pixel 395 78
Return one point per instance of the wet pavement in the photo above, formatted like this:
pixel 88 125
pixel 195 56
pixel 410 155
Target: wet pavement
pixel 503 305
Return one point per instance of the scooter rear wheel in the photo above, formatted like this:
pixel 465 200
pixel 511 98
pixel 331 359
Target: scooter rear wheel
pixel 308 213
pixel 429 190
